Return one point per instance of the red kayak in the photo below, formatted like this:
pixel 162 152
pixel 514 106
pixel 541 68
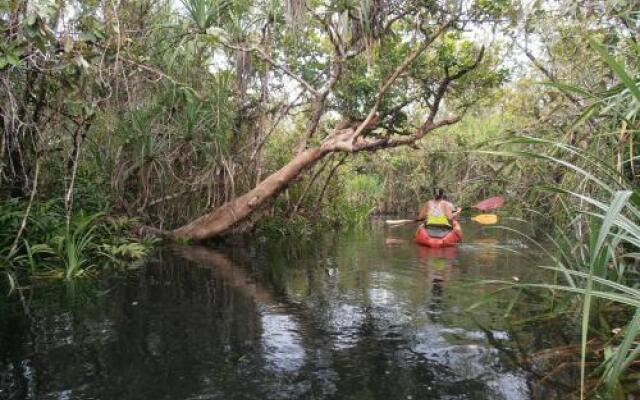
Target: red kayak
pixel 438 237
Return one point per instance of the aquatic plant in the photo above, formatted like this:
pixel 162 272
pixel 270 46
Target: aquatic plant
pixel 50 249
pixel 597 256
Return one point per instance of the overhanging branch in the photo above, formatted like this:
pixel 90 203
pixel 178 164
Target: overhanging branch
pixel 394 76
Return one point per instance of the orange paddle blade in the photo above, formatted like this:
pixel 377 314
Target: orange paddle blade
pixel 490 204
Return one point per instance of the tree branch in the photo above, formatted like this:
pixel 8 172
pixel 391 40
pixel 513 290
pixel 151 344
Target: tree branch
pixel 444 85
pixel 392 78
pixel 550 75
pixel 373 145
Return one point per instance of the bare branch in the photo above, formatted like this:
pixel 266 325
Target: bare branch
pixel 23 224
pixel 550 75
pixel 281 115
pixel 444 84
pixel 313 179
pixel 373 145
pixel 334 36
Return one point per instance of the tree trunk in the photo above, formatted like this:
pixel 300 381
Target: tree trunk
pixel 348 136
pixel 226 216
pixel 343 139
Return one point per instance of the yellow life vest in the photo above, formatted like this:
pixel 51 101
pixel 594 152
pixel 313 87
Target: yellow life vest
pixel 436 216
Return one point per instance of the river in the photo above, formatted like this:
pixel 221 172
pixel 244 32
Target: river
pixel 364 314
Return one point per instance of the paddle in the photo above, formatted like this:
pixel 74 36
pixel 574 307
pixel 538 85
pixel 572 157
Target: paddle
pixel 485 219
pixel 490 204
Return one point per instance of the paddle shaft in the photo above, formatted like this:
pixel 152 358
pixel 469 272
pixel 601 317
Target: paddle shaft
pixel 485 219
pixel 399 222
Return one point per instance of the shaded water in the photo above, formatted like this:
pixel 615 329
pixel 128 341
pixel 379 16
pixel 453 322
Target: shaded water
pixel 346 316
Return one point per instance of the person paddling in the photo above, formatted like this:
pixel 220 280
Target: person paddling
pixel 439 213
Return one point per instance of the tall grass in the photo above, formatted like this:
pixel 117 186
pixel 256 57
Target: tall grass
pixel 597 239
pixel 597 259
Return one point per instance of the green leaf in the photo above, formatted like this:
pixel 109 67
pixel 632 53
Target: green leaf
pixel 619 200
pixel 617 68
pixel 621 358
pixel 87 37
pixel 586 114
pixel 12 59
pixel 570 88
pixel 74 108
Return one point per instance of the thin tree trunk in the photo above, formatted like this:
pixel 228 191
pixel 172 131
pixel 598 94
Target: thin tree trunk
pixel 23 225
pixel 308 187
pixel 326 183
pixel 75 155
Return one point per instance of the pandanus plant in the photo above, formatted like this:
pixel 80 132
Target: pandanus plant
pixel 596 256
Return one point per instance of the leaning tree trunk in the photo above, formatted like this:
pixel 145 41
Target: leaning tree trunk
pixel 225 217
pixel 229 214
pixel 348 136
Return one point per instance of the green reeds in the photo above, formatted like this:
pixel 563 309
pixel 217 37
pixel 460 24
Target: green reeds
pixel 597 246
pixel 605 241
pixel 75 245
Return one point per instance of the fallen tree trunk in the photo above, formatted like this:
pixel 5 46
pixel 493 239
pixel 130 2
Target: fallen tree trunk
pixel 226 216
pixel 348 137
pixel 349 140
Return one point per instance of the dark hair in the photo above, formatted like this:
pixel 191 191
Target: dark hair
pixel 440 194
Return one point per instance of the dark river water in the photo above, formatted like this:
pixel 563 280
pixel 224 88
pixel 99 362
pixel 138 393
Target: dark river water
pixel 355 315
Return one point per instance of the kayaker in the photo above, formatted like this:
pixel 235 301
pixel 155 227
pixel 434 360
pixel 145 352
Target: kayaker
pixel 439 212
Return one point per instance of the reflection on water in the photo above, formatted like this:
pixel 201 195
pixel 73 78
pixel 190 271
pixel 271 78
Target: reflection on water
pixel 281 343
pixel 344 317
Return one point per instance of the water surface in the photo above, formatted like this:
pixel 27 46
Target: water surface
pixel 356 315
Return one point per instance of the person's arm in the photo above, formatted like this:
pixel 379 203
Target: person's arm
pixel 448 211
pixel 454 211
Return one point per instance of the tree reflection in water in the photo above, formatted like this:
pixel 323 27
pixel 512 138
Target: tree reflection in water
pixel 343 319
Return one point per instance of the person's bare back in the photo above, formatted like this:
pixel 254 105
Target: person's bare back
pixel 436 207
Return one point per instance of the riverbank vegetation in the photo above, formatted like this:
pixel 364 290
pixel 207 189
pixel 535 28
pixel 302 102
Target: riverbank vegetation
pixel 201 118
pixel 191 118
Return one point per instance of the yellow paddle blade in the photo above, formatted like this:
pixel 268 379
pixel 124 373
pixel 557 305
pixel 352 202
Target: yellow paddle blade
pixel 486 219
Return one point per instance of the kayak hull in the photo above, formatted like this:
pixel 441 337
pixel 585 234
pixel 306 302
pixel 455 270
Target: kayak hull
pixel 450 239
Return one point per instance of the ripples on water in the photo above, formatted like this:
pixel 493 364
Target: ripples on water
pixel 343 317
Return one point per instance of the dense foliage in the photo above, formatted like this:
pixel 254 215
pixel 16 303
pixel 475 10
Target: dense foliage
pixel 155 111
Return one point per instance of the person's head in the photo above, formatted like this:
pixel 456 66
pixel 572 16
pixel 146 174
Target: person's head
pixel 440 195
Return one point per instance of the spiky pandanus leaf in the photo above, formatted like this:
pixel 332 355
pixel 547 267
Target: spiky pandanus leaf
pixel 206 13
